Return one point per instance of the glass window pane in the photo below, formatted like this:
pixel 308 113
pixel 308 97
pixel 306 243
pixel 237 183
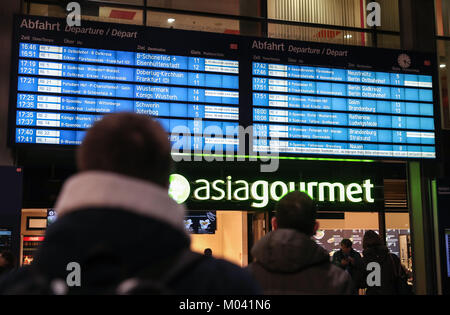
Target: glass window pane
pixel 47 10
pixel 93 12
pixel 351 13
pixel 314 34
pixel 117 15
pixel 231 7
pixel 390 20
pixel 388 41
pixel 442 8
pixel 193 22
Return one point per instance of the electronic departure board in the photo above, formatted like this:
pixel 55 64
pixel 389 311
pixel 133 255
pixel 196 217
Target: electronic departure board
pixel 317 99
pixel 300 98
pixel 339 111
pixel 63 89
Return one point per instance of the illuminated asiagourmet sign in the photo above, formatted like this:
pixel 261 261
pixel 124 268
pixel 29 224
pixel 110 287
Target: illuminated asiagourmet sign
pixel 260 192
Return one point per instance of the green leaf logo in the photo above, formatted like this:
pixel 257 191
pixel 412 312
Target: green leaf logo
pixel 179 188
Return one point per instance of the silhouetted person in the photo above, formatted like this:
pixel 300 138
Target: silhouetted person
pixel 375 251
pixel 116 220
pixel 208 252
pixel 7 262
pixel 288 261
pixel 349 260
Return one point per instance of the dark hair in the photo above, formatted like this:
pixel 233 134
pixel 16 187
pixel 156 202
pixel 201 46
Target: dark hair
pixel 208 252
pixel 371 239
pixel 347 243
pixel 129 144
pixel 297 211
pixel 10 259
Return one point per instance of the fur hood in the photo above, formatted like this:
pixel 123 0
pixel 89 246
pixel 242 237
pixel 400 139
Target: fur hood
pixel 97 189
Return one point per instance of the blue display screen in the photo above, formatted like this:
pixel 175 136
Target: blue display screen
pixel 62 91
pixel 302 99
pixel 317 110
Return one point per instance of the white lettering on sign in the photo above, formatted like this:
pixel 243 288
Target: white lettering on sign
pixel 261 191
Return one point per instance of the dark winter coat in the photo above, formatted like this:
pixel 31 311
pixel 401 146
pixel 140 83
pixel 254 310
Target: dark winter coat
pixel 354 269
pixel 115 227
pixel 289 262
pixel 389 264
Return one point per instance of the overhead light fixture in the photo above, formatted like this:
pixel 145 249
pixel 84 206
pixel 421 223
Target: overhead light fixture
pixel 170 20
pixel 348 36
pixel 442 65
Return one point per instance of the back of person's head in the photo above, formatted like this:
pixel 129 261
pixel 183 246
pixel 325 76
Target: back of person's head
pixel 129 144
pixel 371 239
pixel 208 252
pixel 347 243
pixel 296 210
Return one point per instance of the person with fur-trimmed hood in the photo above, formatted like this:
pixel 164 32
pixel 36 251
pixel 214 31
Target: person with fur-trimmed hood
pixel 117 223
